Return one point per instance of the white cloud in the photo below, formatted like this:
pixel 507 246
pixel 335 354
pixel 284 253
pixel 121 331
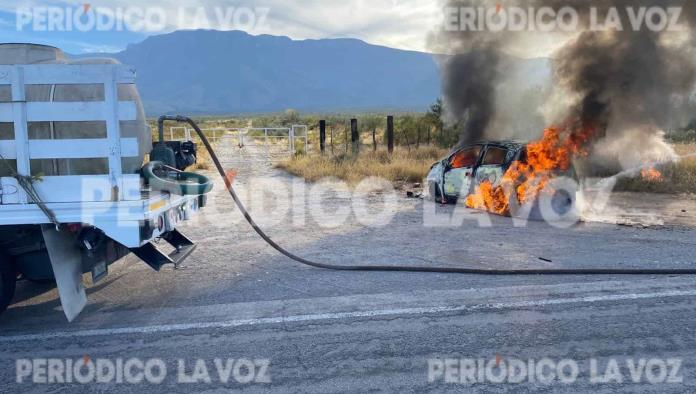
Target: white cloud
pixel 396 23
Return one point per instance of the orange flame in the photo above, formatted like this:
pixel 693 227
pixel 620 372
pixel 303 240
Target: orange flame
pixel 550 155
pixel 651 174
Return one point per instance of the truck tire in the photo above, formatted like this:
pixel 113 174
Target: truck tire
pixel 8 280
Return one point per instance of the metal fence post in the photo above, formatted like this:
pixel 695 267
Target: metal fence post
pixel 390 133
pixel 332 141
pixel 322 136
pixel 354 136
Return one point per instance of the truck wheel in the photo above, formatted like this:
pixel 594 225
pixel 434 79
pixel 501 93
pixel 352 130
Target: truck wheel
pixel 8 280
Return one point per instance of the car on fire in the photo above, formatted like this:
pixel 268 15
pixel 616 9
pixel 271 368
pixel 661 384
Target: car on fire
pixel 468 165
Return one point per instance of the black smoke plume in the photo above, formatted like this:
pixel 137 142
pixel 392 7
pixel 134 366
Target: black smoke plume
pixel 626 85
pixel 470 70
pixel 469 92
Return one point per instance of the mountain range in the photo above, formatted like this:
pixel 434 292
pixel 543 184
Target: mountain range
pixel 231 72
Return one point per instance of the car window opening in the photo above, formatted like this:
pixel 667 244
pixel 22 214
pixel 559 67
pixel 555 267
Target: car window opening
pixel 465 158
pixel 495 156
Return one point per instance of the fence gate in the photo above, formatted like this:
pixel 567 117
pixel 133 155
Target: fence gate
pixel 188 134
pixel 299 139
pixel 261 144
pixel 271 143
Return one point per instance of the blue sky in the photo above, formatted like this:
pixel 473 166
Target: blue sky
pixel 73 42
pixel 401 24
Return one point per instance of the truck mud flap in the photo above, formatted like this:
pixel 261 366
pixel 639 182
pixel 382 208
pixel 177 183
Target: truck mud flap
pixel 155 258
pixel 66 261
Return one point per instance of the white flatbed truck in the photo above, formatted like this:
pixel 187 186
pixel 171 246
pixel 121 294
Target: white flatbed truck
pixel 57 228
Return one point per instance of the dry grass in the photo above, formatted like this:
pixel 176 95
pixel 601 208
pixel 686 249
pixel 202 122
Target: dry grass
pixel 409 167
pixel 676 177
pixel 203 160
pixel 686 149
pixel 400 167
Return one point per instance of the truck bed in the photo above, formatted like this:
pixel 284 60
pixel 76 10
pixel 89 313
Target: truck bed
pixel 116 219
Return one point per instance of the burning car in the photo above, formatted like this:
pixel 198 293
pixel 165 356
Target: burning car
pixel 503 176
pixel 467 166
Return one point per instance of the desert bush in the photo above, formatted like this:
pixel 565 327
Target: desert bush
pixel 401 166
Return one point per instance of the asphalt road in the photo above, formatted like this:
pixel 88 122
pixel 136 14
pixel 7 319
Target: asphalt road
pixel 326 331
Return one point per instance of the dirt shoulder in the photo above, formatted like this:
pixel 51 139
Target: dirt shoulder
pixel 643 209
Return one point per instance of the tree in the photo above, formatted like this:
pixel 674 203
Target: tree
pixel 406 130
pixel 444 136
pixel 371 123
pixel 290 117
pixel 423 129
pixel 434 116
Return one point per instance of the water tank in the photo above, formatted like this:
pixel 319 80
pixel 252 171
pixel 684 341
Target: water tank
pixel 11 54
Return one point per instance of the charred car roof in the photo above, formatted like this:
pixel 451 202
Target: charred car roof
pixel 508 144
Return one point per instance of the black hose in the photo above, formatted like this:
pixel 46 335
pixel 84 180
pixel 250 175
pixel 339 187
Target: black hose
pixel 399 268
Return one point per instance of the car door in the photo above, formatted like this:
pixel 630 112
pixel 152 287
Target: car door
pixel 492 165
pixel 459 175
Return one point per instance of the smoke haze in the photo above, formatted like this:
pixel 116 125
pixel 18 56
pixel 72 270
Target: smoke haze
pixel 625 85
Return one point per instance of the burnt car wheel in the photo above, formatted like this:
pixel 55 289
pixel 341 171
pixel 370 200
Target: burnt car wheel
pixel 8 280
pixel 562 202
pixel 559 206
